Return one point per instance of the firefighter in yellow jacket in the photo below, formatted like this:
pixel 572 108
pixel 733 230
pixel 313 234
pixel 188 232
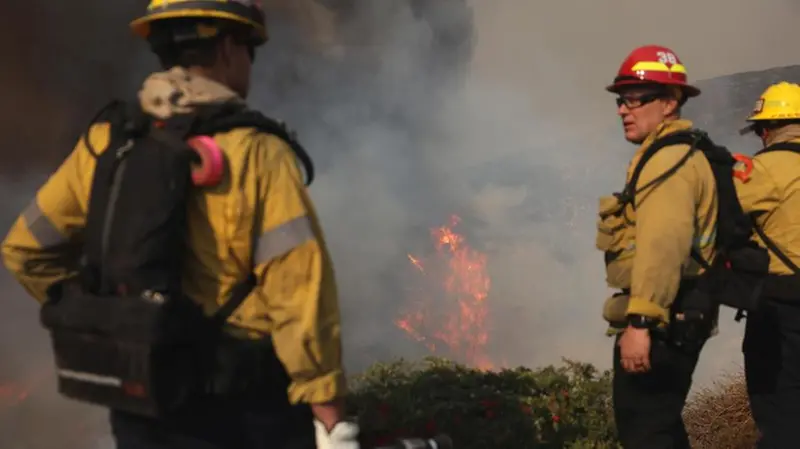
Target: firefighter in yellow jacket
pixel 647 244
pixel 207 49
pixel 769 188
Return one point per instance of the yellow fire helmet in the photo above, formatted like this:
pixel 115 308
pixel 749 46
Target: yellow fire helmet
pixel 246 12
pixel 780 101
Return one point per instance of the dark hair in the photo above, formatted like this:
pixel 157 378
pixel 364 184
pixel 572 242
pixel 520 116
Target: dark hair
pixel 178 43
pixel 674 92
pixel 202 53
pixel 769 125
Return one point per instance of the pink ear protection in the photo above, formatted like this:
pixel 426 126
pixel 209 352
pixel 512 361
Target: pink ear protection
pixel 208 172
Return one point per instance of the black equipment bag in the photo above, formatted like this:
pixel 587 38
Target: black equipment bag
pixel 123 333
pixel 740 267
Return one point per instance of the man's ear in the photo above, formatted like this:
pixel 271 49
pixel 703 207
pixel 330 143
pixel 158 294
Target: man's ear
pixel 225 50
pixel 670 106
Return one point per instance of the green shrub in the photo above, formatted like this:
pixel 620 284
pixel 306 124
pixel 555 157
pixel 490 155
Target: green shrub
pixel 552 407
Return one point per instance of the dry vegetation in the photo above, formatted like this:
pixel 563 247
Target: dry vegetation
pixel 719 417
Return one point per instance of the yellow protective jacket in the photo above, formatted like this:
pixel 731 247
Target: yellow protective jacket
pixel 652 243
pixel 773 189
pixel 296 297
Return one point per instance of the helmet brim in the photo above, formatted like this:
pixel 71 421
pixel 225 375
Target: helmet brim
pixel 688 90
pixel 141 26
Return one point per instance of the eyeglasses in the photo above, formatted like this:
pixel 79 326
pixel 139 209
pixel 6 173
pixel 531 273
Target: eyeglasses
pixel 637 101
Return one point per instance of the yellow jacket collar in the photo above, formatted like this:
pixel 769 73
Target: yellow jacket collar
pixel 784 134
pixel 666 127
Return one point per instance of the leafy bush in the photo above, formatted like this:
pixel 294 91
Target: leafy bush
pixel 552 407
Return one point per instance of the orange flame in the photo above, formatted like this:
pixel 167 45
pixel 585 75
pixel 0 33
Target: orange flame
pixel 456 319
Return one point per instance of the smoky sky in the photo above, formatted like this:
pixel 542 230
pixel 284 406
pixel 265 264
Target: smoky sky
pixel 413 111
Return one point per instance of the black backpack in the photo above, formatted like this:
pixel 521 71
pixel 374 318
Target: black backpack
pixel 739 270
pixel 124 334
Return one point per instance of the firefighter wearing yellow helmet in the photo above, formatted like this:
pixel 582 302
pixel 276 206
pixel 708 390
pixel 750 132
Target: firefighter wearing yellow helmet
pixel 258 222
pixel 248 13
pixel 768 187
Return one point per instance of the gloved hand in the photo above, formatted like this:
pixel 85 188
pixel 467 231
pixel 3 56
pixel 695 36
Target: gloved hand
pixel 344 435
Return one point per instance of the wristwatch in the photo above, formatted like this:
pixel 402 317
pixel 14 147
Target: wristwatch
pixel 641 321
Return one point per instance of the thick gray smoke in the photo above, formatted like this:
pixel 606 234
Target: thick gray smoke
pixel 413 110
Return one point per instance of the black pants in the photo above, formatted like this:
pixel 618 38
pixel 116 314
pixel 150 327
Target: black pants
pixel 772 366
pixel 214 425
pixel 648 407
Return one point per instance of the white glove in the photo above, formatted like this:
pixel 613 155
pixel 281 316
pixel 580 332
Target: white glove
pixel 344 435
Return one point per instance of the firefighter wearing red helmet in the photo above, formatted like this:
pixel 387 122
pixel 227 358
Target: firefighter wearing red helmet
pixel 666 211
pixel 653 64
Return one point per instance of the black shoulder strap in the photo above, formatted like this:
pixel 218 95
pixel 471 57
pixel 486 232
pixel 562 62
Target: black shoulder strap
pixel 775 250
pixel 239 293
pixel 125 120
pixel 220 118
pixel 128 120
pixel 794 147
pixel 227 117
pixel 734 226
pixel 693 138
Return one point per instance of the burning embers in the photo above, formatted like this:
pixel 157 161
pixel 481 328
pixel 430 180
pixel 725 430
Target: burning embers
pixel 449 314
pixel 12 394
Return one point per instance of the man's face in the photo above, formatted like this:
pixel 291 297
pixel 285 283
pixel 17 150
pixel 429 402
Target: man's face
pixel 642 109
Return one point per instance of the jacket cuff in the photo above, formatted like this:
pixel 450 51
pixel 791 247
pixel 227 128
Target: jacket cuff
pixel 321 389
pixel 644 307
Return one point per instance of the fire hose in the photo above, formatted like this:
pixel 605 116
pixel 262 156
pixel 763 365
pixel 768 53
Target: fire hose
pixel 438 442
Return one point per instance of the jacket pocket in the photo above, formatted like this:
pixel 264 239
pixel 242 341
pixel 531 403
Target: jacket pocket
pixel 611 225
pixel 615 239
pixel 618 272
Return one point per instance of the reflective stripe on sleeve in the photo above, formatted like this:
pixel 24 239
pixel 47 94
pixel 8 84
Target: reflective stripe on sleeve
pixel 284 238
pixel 43 230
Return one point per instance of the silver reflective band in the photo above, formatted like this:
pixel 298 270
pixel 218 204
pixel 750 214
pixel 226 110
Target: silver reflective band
pixel 420 444
pixel 90 378
pixel 283 239
pixel 43 230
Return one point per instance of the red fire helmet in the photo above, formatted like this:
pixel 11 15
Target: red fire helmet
pixel 653 64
